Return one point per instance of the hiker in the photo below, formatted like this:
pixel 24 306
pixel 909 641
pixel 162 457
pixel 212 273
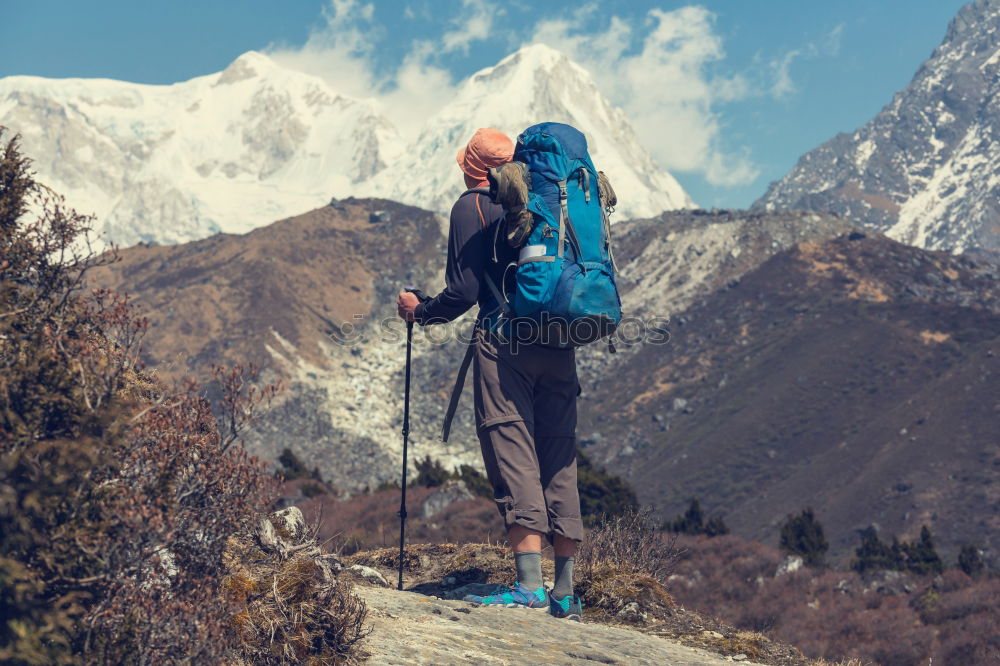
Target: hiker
pixel 524 393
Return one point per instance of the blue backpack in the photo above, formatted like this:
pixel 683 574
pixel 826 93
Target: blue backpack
pixel 563 292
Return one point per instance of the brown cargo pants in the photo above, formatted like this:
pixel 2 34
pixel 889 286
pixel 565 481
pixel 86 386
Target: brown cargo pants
pixel 525 400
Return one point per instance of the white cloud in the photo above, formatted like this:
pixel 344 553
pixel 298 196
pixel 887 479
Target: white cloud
pixel 831 44
pixel 343 52
pixel 661 70
pixel 657 73
pixel 783 85
pixel 474 22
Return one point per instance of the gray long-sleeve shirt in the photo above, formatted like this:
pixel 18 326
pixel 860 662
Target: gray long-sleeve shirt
pixel 470 255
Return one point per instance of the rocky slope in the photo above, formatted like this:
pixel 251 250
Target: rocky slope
pixel 858 376
pixel 633 623
pixel 238 149
pixel 925 169
pixel 311 300
pixel 803 366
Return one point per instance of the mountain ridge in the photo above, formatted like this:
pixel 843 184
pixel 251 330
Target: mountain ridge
pixel 223 152
pixel 843 329
pixel 238 149
pixel 925 169
pixel 816 379
pixel 540 83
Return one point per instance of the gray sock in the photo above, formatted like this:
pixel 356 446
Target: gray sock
pixel 529 569
pixel 564 577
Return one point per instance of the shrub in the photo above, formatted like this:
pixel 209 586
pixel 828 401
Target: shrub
pixel 430 473
pixel 692 522
pixel 310 490
pixel 716 526
pixel 292 466
pixel 475 481
pixel 632 540
pixel 117 494
pixel 803 535
pixel 921 557
pixel 917 557
pixel 625 559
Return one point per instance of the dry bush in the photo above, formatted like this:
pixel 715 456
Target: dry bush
pixel 626 560
pixel 891 618
pixel 171 508
pixel 291 606
pixel 632 541
pixel 117 494
pixel 965 613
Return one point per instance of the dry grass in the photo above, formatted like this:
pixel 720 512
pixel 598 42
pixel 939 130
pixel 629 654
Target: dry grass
pixel 293 609
pixel 751 643
pixel 624 564
pixel 632 542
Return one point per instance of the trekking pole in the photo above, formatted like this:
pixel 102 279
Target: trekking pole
pixel 406 440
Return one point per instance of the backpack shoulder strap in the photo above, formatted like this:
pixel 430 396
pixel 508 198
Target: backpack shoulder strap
pixel 479 209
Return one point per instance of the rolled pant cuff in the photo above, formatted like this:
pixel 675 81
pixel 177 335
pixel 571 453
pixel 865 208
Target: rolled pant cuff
pixel 569 527
pixel 533 519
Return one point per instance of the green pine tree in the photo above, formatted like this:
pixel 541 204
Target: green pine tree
pixel 874 555
pixel 692 522
pixel 430 473
pixel 922 558
pixel 802 535
pixel 716 526
pixel 601 493
pixel 970 560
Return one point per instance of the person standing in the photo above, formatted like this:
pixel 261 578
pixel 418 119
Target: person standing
pixel 524 394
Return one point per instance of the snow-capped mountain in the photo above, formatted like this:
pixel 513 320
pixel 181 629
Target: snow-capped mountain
pixel 257 142
pixel 532 85
pixel 926 169
pixel 226 152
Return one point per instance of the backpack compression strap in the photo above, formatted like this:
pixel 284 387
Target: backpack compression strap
pixel 565 221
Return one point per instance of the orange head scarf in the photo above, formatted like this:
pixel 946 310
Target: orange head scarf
pixel 487 148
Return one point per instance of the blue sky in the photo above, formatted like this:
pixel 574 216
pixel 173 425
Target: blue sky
pixel 750 85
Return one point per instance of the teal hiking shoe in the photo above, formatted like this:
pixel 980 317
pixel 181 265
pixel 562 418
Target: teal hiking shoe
pixel 517 596
pixel 569 607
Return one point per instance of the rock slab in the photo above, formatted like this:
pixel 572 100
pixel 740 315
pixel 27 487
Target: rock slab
pixel 409 628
